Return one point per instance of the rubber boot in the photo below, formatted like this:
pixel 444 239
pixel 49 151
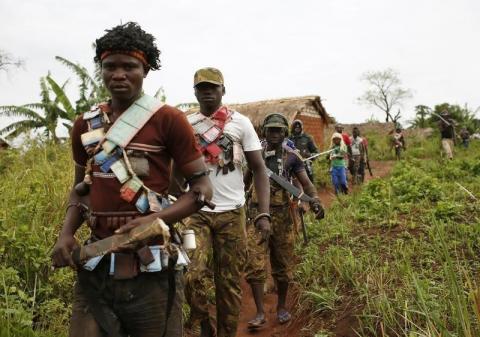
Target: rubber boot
pixel 206 329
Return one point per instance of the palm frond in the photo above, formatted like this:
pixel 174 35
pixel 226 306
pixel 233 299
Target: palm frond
pixel 19 127
pixel 62 98
pixel 79 70
pixel 45 91
pixel 19 111
pixel 34 106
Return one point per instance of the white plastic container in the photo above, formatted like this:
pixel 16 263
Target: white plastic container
pixel 188 236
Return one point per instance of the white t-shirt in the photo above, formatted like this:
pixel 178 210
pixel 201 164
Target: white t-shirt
pixel 356 145
pixel 228 189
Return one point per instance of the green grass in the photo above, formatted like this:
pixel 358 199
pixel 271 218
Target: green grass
pixel 34 185
pixel 401 254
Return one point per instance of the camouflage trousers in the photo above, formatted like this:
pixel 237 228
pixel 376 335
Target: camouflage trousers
pixel 280 247
pixel 221 247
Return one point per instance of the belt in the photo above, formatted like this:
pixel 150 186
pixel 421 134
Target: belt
pixel 112 220
pixel 130 263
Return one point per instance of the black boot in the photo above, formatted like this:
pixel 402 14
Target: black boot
pixel 206 329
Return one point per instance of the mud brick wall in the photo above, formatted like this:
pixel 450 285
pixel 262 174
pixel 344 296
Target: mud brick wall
pixel 315 127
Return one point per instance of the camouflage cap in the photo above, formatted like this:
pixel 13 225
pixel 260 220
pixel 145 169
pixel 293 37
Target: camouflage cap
pixel 210 75
pixel 275 120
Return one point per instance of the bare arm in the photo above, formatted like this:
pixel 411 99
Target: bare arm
pixel 260 179
pixel 261 184
pixel 311 191
pixel 61 254
pixel 307 185
pixel 311 146
pixel 187 203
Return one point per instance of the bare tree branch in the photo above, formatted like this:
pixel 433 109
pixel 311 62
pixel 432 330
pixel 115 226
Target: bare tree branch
pixel 8 61
pixel 384 92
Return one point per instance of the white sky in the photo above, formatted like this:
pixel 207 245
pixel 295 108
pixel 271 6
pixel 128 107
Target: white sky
pixel 266 49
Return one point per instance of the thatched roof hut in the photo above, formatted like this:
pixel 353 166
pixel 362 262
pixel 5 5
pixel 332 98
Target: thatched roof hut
pixel 308 109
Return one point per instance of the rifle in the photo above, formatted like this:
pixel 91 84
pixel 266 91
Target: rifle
pixel 449 124
pixel 317 155
pixel 292 209
pixel 287 186
pixel 135 237
pixel 304 226
pixel 368 167
pixel 443 119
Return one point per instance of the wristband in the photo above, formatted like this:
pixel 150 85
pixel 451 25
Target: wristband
pixel 262 215
pixel 81 207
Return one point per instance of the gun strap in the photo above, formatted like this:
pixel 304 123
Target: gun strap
pixel 172 290
pixel 103 314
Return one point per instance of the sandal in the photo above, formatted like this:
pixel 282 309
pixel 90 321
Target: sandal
pixel 283 317
pixel 257 322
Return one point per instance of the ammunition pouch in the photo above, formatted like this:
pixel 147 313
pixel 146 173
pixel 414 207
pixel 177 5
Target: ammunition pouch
pixel 112 220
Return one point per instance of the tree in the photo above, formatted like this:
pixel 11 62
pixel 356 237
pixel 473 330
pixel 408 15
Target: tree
pixel 462 116
pixel 384 92
pixel 44 115
pixel 160 94
pixel 7 61
pixel 422 113
pixel 90 90
pixel 51 112
pixel 187 106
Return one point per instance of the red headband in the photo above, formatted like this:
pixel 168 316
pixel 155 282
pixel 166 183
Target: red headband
pixel 138 54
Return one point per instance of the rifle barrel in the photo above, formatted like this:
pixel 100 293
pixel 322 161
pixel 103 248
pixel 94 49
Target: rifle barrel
pixel 317 155
pixel 444 120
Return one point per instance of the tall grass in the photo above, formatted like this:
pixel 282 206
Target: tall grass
pixel 401 256
pixel 34 185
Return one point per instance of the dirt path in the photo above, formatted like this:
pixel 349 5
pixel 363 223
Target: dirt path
pixel 293 329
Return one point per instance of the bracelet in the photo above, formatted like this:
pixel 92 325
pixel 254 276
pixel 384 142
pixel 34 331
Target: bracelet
pixel 81 207
pixel 262 215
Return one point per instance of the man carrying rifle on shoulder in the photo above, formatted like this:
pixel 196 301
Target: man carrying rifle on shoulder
pixel 447 133
pixel 283 164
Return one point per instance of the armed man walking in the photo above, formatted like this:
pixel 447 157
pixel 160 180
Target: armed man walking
pixel 123 151
pixel 283 164
pixel 228 141
pixel 305 144
pixel 359 157
pixel 398 142
pixel 447 133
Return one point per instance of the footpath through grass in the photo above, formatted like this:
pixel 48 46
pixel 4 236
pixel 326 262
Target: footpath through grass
pixel 400 257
